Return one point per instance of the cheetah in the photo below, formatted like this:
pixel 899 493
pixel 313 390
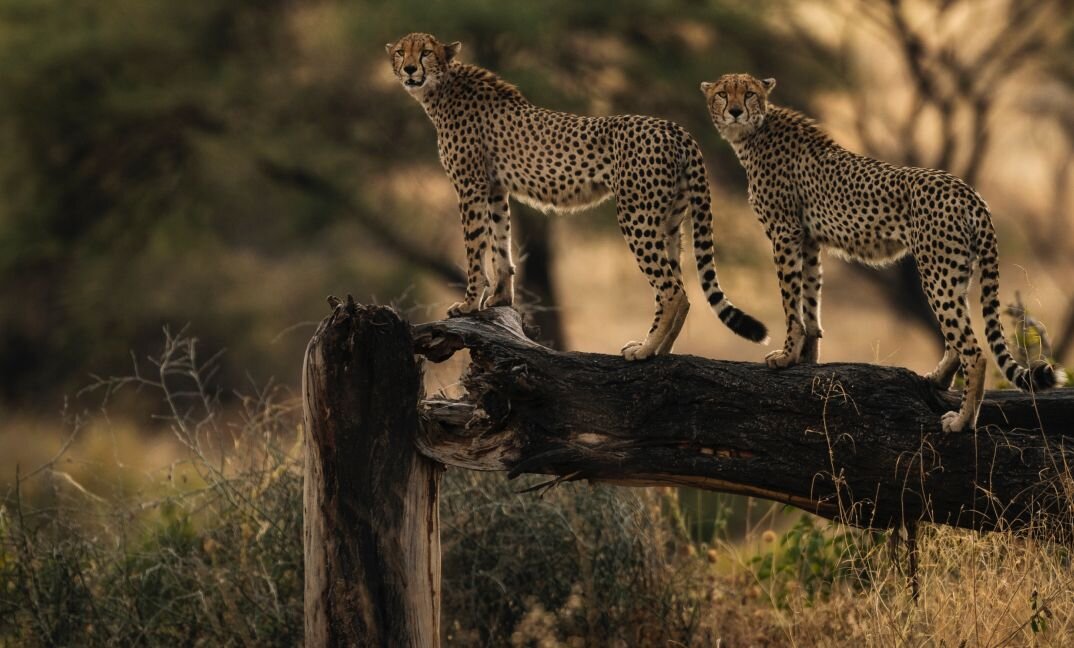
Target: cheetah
pixel 810 193
pixel 494 144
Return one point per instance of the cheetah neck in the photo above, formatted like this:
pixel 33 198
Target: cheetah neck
pixel 780 122
pixel 743 143
pixel 430 97
pixel 463 78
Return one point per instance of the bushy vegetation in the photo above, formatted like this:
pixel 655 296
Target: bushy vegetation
pixel 209 552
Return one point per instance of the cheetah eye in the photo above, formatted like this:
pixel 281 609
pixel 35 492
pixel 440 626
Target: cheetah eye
pixel 426 52
pixel 721 94
pixel 750 95
pixel 398 52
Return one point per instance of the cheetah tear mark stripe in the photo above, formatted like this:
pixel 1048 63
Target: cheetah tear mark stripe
pixel 701 211
pixel 1041 376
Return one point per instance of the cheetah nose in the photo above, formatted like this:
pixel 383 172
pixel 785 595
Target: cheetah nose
pixel 735 112
pixel 410 69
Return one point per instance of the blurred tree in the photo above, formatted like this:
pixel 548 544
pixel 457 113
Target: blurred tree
pixel 227 163
pixel 958 70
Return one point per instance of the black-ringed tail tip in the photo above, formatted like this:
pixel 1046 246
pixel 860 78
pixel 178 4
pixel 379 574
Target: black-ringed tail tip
pixel 1041 376
pixel 744 325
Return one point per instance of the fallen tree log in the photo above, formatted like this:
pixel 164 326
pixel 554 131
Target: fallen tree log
pixel 861 444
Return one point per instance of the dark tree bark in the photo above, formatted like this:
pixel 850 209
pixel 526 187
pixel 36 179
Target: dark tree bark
pixel 371 532
pixel 1064 341
pixel 900 284
pixel 537 286
pixel 861 444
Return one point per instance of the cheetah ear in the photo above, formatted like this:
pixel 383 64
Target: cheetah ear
pixel 769 84
pixel 451 50
pixel 706 86
pixel 388 47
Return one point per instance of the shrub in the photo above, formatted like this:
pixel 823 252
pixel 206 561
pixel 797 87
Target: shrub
pixel 210 553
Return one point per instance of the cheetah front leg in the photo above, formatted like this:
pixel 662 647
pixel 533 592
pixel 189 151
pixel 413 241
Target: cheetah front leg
pixel 811 282
pixel 474 211
pixel 787 251
pixel 944 373
pixel 671 309
pixel 673 246
pixel 502 287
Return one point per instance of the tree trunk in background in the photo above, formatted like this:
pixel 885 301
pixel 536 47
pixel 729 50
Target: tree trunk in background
pixel 536 284
pixel 1064 340
pixel 371 525
pixel 900 284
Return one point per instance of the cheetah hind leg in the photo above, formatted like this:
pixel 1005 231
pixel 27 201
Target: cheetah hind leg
pixel 792 350
pixel 671 306
pixel 944 373
pixel 966 417
pixel 471 305
pixel 458 309
pixel 810 349
pixel 678 308
pixel 659 259
pixel 678 318
pixel 956 328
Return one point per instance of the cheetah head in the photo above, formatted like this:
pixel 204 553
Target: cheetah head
pixel 420 61
pixel 737 103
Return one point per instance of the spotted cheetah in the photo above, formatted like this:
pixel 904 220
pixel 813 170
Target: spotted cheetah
pixel 810 193
pixel 495 144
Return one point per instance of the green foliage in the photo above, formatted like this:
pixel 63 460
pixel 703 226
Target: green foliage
pixel 167 577
pixel 208 554
pixel 1038 622
pixel 1029 342
pixel 814 558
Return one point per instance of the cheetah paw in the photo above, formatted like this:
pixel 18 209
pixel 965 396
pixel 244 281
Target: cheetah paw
pixel 952 422
pixel 780 359
pixel 462 308
pixel 635 351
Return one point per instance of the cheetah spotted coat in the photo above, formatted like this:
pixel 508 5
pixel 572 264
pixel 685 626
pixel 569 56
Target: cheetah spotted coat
pixel 810 193
pixel 494 144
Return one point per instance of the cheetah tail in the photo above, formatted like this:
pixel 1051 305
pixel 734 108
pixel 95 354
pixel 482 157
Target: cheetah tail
pixel 1040 375
pixel 734 318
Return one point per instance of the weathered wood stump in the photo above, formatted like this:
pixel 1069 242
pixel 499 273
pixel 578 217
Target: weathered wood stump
pixel 371 530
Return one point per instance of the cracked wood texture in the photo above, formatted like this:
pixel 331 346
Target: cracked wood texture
pixel 371 529
pixel 857 443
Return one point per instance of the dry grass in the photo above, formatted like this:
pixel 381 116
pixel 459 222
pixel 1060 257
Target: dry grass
pixel 591 566
pixel 99 548
pixel 990 590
